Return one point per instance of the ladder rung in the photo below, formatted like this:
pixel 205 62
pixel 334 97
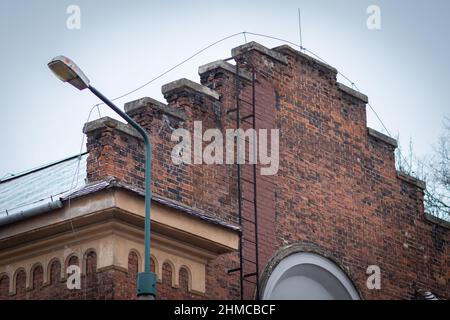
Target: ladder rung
pixel 247 122
pixel 246 102
pixel 248 181
pixel 248 275
pixel 248 240
pixel 233 270
pixel 232 110
pixel 248 200
pixel 250 281
pixel 250 261
pixel 248 220
pixel 247 117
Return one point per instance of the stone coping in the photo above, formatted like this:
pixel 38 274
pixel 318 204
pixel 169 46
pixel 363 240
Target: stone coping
pixel 110 122
pixel 260 48
pixel 412 180
pixel 382 137
pixel 353 93
pixel 147 102
pixel 288 49
pixel 189 84
pixel 436 220
pixel 221 64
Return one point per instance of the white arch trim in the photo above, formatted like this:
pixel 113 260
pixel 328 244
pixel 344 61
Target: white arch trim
pixel 315 277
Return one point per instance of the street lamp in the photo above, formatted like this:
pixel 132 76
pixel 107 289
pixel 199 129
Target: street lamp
pixel 67 71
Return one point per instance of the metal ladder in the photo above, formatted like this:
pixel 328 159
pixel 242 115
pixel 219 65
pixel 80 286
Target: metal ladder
pixel 247 208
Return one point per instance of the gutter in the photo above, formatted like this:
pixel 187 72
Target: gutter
pixel 28 213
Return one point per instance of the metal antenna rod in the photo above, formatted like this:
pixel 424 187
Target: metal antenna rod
pixel 300 28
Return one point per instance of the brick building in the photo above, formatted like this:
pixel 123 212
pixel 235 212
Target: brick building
pixel 336 206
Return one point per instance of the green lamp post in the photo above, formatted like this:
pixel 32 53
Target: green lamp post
pixel 67 71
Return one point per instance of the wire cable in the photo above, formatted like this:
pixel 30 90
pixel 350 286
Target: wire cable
pixel 72 186
pixel 176 66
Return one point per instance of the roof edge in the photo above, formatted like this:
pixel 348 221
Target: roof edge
pixel 382 137
pixel 24 173
pixel 111 182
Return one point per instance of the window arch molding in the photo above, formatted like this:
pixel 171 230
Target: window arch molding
pixel 296 273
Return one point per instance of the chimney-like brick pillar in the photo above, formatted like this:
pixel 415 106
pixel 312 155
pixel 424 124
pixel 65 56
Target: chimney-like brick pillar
pixel 115 150
pixel 213 187
pixel 168 180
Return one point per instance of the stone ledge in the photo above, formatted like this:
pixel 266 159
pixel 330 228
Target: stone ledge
pixel 438 221
pixel 380 136
pixel 260 48
pixel 353 93
pixel 288 49
pixel 150 103
pixel 188 84
pixel 220 64
pixel 110 122
pixel 111 182
pixel 410 179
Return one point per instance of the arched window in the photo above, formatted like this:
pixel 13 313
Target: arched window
pixel 21 282
pixel 133 264
pixel 183 276
pixel 55 272
pixel 152 265
pixel 90 262
pixel 37 273
pixel 72 261
pixel 4 286
pixel 167 273
pixel 308 276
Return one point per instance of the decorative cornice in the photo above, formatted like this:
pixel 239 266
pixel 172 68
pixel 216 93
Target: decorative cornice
pixel 111 182
pixel 112 241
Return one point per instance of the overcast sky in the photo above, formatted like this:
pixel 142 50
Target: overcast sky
pixel 404 67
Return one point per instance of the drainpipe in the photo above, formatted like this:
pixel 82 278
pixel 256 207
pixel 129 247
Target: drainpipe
pixel 24 214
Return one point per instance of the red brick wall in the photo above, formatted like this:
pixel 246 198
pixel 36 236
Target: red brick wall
pixel 189 184
pixel 224 82
pixel 337 186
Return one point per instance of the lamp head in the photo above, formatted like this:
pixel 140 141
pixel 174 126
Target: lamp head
pixel 67 71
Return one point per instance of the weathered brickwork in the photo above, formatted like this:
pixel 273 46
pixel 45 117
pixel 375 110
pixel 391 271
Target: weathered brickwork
pixel 337 192
pixel 114 151
pixel 337 186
